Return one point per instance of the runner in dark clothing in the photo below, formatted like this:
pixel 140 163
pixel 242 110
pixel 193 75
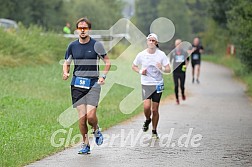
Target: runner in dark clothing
pixel 180 60
pixel 197 50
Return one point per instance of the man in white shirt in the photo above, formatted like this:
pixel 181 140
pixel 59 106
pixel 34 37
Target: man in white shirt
pixel 153 63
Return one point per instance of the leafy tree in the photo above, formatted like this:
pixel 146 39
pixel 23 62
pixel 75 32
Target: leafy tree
pixel 239 22
pixel 177 12
pixel 215 38
pixel 102 14
pixel 198 15
pixel 235 17
pixel 48 14
pixel 218 11
pixel 54 14
pixel 146 13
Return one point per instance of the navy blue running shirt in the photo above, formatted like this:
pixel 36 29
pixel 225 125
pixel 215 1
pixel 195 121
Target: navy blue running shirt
pixel 86 58
pixel 196 55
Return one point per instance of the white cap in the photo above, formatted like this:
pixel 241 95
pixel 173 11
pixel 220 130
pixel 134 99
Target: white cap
pixel 152 35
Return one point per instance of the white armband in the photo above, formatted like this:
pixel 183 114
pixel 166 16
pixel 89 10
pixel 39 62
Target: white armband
pixel 140 71
pixel 163 68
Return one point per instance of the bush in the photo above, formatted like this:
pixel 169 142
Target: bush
pixel 31 46
pixel 240 25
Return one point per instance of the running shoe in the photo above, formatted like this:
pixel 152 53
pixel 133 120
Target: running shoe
pixel 98 137
pixel 197 80
pixel 85 149
pixel 146 125
pixel 183 97
pixel 177 101
pixel 154 134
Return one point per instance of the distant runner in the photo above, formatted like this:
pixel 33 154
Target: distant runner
pixel 179 58
pixel 197 50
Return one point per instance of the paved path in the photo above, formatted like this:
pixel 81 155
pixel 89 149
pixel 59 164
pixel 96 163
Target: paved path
pixel 217 109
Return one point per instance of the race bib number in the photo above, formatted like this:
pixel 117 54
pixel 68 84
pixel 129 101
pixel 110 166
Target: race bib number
pixel 195 57
pixel 82 82
pixel 160 88
pixel 179 58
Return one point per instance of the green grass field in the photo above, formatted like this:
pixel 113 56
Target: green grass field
pixel 33 95
pixel 31 100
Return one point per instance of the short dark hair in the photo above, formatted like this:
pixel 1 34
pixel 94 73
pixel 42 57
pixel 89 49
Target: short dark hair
pixel 84 19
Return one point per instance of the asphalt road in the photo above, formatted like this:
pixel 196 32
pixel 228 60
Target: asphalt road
pixel 213 127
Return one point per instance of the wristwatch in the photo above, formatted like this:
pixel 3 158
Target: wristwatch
pixel 103 76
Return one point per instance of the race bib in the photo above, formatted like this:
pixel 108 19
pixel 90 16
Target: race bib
pixel 82 82
pixel 160 88
pixel 195 57
pixel 179 58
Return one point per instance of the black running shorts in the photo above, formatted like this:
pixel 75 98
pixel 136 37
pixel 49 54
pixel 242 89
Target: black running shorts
pixel 150 92
pixel 85 96
pixel 195 63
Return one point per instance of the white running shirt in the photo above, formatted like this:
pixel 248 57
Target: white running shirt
pixel 148 61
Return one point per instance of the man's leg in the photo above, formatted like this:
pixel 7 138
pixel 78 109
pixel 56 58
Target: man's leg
pixel 175 79
pixel 155 116
pixel 78 98
pixel 93 121
pixel 91 116
pixel 197 69
pixel 193 71
pixel 147 113
pixel 92 98
pixel 147 109
pixel 182 85
pixel 82 112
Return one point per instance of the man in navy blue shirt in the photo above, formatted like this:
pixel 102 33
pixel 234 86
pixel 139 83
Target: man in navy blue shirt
pixel 86 80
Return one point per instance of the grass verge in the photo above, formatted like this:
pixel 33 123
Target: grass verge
pixel 31 100
pixel 234 64
pixel 33 95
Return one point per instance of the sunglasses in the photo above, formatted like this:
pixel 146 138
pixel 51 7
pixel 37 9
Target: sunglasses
pixel 82 28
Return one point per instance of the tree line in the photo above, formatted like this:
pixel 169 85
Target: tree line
pixel 188 16
pixel 235 19
pixel 52 15
pixel 216 22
